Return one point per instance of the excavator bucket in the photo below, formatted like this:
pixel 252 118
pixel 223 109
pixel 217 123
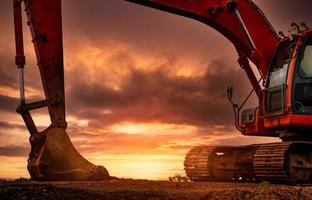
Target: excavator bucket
pixel 54 158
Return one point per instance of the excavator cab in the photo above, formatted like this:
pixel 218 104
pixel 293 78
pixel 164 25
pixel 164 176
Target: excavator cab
pixel 285 108
pixel 286 101
pixel 302 79
pixel 296 64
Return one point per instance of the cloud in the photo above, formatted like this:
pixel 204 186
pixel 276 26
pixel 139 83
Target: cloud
pixel 8 72
pixel 120 143
pixel 281 13
pixel 156 95
pixel 7 125
pixel 14 151
pixel 8 103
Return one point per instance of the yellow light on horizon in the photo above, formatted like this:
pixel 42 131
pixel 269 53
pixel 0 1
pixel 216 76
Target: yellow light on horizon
pixel 155 167
pixel 13 167
pixel 153 128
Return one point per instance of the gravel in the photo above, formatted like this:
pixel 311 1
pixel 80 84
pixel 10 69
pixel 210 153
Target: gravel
pixel 125 189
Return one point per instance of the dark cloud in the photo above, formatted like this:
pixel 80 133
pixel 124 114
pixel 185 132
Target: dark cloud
pixel 157 96
pixel 7 125
pixel 8 103
pixel 145 29
pixel 6 11
pixel 144 26
pixel 14 151
pixel 281 13
pixel 8 72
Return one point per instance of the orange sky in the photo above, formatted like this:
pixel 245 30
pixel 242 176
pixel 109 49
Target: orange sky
pixel 142 86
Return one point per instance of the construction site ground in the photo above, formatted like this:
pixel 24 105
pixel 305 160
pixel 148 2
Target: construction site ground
pixel 145 189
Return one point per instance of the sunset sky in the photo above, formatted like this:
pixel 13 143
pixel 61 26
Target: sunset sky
pixel 142 86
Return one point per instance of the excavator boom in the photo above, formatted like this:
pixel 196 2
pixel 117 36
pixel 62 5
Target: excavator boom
pixel 253 36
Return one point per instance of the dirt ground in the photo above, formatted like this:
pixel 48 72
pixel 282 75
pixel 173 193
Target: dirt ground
pixel 152 190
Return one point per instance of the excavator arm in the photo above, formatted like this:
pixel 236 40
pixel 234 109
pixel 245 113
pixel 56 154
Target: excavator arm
pixel 240 21
pixel 53 157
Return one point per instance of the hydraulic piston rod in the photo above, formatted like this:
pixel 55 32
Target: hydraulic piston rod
pixel 233 7
pixel 20 57
pixel 244 28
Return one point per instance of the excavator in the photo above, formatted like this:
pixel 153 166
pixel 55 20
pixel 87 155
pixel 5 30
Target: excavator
pixel 284 90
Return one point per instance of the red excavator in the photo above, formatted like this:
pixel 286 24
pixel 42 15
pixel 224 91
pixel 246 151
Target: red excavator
pixel 284 92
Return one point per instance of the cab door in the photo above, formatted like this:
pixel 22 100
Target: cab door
pixel 273 97
pixel 302 79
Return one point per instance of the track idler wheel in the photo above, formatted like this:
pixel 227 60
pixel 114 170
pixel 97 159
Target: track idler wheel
pixel 54 158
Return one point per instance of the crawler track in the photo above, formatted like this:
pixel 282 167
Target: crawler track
pixel 274 162
pixel 196 164
pixel 270 162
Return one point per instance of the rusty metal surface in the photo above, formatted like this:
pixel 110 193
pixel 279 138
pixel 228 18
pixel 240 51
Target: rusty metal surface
pixel 274 162
pixel 208 163
pixel 300 161
pixel 196 163
pixel 54 158
pixel 270 162
pixel 287 161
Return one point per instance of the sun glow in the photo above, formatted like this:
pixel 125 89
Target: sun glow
pixel 13 167
pixel 142 166
pixel 153 128
pixel 79 122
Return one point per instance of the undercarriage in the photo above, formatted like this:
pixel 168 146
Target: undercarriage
pixel 274 162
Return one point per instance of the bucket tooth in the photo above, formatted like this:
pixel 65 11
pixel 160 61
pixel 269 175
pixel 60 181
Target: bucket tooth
pixel 54 158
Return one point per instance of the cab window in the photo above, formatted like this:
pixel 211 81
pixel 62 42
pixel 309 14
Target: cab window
pixel 278 77
pixel 279 68
pixel 305 69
